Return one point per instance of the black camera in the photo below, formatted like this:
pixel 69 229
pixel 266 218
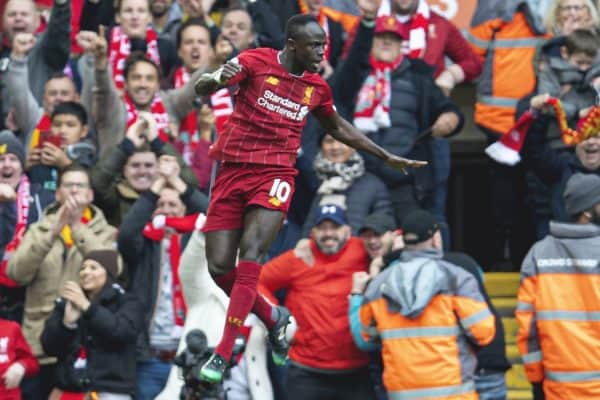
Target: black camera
pixel 191 359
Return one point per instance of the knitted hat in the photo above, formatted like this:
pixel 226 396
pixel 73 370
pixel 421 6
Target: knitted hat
pixel 9 144
pixel 582 193
pixel 109 259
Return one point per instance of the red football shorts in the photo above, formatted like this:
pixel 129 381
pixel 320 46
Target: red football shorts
pixel 240 185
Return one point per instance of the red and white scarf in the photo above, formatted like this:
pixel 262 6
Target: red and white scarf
pixel 155 231
pixel 418 25
pixel 189 137
pixel 120 48
pixel 158 110
pixel 20 227
pixel 373 102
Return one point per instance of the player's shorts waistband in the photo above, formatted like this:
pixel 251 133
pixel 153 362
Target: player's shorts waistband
pixel 246 165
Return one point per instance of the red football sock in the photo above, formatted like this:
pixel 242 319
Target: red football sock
pixel 226 281
pixel 262 308
pixel 241 301
pixel 265 311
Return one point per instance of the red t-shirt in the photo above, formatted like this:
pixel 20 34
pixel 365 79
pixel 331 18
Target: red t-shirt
pixel 270 111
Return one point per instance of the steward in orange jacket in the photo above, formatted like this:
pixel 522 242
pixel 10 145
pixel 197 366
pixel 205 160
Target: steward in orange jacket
pixel 559 300
pixel 423 311
pixel 506 45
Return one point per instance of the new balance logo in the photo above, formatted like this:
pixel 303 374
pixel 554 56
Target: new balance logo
pixel 328 210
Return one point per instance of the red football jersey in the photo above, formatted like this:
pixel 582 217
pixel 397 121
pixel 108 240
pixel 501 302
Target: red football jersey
pixel 270 111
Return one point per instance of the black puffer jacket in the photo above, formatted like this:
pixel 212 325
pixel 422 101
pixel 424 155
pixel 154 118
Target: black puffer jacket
pixel 416 103
pixel 107 331
pixel 143 256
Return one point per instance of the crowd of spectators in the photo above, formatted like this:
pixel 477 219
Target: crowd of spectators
pixel 105 174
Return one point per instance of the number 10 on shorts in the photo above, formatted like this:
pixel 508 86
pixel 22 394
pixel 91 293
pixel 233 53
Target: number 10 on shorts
pixel 280 191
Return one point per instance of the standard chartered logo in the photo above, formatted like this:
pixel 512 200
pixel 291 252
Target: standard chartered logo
pixel 283 106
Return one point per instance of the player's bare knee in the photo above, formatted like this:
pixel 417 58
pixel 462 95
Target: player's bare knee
pixel 253 251
pixel 220 266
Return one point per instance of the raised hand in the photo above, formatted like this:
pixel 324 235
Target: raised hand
pixel 193 8
pixel 21 45
pixel 101 49
pixel 13 375
pixel 73 293
pixel 359 281
pixel 87 40
pixel 135 132
pixel 7 193
pixel 444 124
pixel 368 8
pixel 151 131
pixel 72 314
pixel 54 156
pixel 223 49
pixel 168 167
pixel 229 70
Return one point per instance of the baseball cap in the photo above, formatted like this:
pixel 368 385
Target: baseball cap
pixel 333 213
pixel 390 24
pixel 379 223
pixel 419 226
pixel 581 193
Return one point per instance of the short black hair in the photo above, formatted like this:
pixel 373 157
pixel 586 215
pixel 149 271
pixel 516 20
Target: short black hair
pixel 192 22
pixel 58 75
pixel 295 24
pixel 137 57
pixel 582 41
pixel 71 108
pixel 74 167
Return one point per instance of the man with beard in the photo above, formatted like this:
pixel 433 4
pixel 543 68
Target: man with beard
pixel 164 18
pixel 557 306
pixel 20 206
pixel 324 361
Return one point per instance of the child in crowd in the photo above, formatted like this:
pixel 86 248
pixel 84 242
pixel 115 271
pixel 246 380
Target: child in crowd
pixel 570 78
pixel 64 144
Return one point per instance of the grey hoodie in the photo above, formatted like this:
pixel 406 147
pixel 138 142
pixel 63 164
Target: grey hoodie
pixel 411 286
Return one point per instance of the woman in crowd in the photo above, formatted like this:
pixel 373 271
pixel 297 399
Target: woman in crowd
pixel 93 332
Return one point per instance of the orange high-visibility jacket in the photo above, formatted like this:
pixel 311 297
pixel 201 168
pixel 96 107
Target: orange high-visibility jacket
pixel 507 50
pixel 558 311
pixel 422 309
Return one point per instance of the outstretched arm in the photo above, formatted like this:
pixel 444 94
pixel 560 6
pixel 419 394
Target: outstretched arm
pixel 345 132
pixel 209 83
